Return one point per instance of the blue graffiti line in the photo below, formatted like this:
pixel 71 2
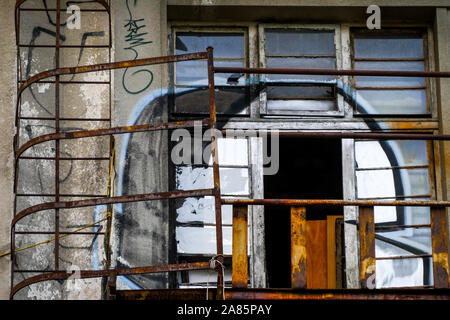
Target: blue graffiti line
pixel 135 38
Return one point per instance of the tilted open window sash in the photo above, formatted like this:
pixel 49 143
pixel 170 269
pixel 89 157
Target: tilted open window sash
pixel 304 48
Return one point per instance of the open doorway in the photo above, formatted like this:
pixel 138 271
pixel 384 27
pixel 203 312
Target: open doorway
pixel 309 169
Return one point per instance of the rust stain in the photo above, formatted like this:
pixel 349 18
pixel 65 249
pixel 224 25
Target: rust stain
pixel 440 247
pixel 367 244
pixel 298 247
pixel 240 238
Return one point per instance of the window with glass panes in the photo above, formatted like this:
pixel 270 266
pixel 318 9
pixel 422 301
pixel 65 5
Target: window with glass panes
pixel 301 48
pixel 395 50
pixel 398 170
pixel 191 77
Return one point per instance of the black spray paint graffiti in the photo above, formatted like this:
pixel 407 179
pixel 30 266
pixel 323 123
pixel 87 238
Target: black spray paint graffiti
pixel 36 33
pixel 84 38
pixel 135 38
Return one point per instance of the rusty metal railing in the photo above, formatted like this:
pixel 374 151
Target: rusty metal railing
pixel 366 237
pixel 366 207
pixel 240 211
pixel 111 274
pixel 211 122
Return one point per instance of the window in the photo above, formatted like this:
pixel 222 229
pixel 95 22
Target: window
pixel 400 170
pixel 390 51
pixel 303 48
pixel 191 77
pixel 195 217
pixel 385 170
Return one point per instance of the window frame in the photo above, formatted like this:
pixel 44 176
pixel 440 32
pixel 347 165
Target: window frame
pixel 401 219
pixel 339 112
pixel 424 32
pixel 184 28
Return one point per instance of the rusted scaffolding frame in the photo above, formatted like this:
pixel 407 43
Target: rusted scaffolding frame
pixel 240 214
pixel 59 136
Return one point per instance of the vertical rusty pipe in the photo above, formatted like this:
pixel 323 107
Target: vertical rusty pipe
pixel 440 247
pixel 57 144
pixel 110 213
pixel 215 156
pixel 16 144
pixel 240 240
pixel 111 286
pixel 298 247
pixel 367 247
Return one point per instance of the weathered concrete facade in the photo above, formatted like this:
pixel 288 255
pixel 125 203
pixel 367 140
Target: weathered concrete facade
pixel 144 232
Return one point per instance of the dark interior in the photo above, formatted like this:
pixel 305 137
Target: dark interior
pixel 309 169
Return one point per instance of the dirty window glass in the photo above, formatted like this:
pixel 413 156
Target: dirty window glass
pixel 191 77
pixel 389 95
pixel 397 170
pixel 303 49
pixel 195 217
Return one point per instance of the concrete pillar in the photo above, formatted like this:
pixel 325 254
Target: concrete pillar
pixel 141 234
pixel 7 112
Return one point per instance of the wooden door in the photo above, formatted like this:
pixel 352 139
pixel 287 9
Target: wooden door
pixel 321 251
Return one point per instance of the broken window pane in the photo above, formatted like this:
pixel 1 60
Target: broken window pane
pixel 194 100
pixel 226 45
pixel 195 73
pixel 191 77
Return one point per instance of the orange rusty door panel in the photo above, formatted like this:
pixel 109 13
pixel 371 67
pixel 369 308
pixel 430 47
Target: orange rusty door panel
pixel 316 251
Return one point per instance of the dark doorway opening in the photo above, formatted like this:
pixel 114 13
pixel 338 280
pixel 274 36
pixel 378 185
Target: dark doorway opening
pixel 309 169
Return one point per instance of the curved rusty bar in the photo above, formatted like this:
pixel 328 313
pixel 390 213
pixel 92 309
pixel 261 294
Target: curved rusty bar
pixel 61 275
pixel 110 200
pixel 110 66
pixel 329 202
pixel 109 131
pixel 103 67
pixel 86 274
